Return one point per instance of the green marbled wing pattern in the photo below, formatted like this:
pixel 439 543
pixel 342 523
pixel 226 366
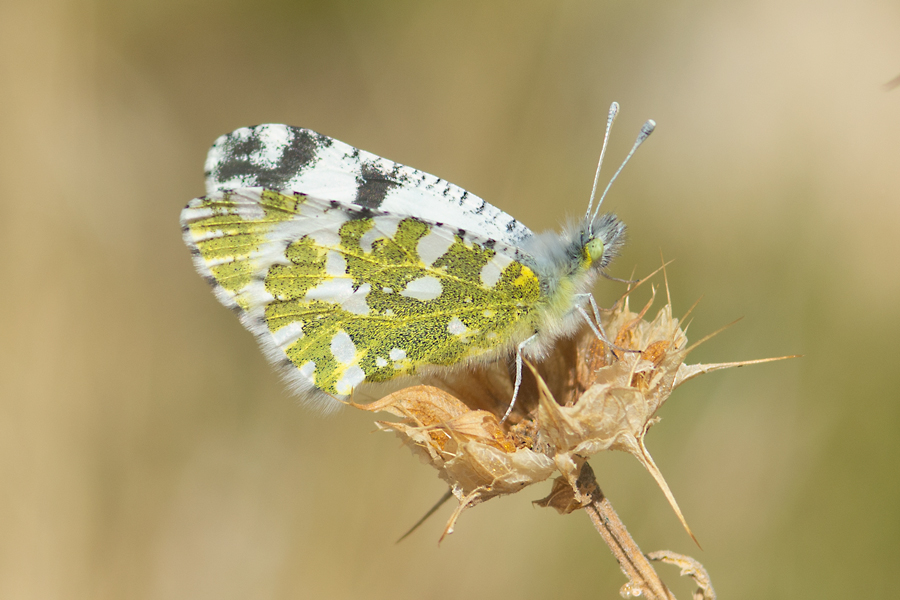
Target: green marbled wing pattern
pixel 340 295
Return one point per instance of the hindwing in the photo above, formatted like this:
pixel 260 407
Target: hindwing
pixel 339 294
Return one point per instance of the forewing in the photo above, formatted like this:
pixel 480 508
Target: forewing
pixel 339 295
pixel 291 159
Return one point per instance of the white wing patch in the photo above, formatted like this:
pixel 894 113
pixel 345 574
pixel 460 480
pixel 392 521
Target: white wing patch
pixel 432 246
pixel 342 348
pixel 424 288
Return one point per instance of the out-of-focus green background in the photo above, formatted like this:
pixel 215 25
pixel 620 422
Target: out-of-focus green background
pixel 148 451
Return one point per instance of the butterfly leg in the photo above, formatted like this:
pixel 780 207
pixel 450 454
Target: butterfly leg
pixel 595 324
pixel 512 402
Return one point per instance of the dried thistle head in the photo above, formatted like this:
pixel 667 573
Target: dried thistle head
pixel 586 396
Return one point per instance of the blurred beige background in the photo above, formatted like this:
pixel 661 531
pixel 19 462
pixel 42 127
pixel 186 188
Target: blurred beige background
pixel 148 451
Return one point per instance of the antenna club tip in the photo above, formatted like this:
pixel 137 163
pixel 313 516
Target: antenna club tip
pixel 613 109
pixel 648 127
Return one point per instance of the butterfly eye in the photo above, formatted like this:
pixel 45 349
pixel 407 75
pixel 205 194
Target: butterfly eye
pixel 593 250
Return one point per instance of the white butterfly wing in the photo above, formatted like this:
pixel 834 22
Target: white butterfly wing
pixel 290 159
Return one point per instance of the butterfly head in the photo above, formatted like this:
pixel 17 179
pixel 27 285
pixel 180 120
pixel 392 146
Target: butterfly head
pixel 601 240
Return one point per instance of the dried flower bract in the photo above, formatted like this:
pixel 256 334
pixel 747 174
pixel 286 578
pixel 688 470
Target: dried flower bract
pixel 584 397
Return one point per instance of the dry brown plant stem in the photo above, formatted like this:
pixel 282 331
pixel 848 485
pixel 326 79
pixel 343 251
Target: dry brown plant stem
pixel 641 574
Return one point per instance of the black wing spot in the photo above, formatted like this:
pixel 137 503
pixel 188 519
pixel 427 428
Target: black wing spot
pixel 237 158
pixel 242 159
pixel 299 154
pixel 373 185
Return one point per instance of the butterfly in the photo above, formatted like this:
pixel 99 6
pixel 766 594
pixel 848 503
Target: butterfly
pixel 350 268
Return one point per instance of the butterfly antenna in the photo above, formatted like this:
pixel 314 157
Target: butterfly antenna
pixel 613 111
pixel 646 130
